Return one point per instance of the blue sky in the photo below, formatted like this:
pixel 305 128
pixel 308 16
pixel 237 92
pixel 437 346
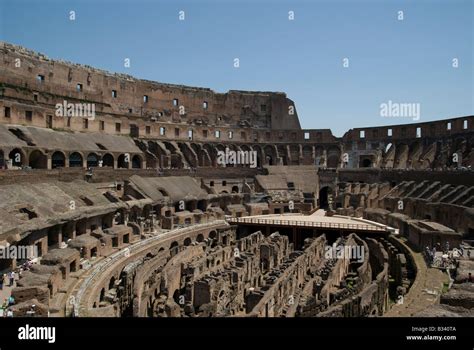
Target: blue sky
pixel 407 61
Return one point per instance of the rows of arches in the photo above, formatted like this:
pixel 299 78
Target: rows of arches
pixel 192 154
pixel 38 159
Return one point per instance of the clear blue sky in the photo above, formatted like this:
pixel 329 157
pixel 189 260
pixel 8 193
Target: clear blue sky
pixel 402 61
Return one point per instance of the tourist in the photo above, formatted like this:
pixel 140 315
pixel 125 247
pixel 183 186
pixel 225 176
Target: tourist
pixel 11 301
pixel 11 278
pixel 9 313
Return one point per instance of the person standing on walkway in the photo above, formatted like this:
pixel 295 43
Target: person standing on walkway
pixel 12 278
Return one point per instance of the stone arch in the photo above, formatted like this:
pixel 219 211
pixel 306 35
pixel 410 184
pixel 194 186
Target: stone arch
pixel 187 241
pixel 189 154
pixel 270 155
pixel 18 157
pixel 75 160
pixel 92 160
pixel 174 248
pixel 38 160
pixel 121 162
pixel 58 160
pixel 213 234
pixel 156 155
pixel 136 162
pixel 108 160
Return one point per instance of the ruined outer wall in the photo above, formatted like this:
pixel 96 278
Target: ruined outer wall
pixel 122 98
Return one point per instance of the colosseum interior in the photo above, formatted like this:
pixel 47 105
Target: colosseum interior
pixel 142 209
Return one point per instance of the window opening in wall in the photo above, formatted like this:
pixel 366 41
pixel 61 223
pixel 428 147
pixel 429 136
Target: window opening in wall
pixel 79 87
pixel 362 134
pixel 49 121
pixel 114 93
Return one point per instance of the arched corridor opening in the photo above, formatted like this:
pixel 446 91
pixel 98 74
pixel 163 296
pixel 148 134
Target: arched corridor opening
pixel 136 162
pixel 108 160
pixel 92 160
pixel 75 160
pixel 58 160
pixel 38 160
pixel 121 162
pixel 17 157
